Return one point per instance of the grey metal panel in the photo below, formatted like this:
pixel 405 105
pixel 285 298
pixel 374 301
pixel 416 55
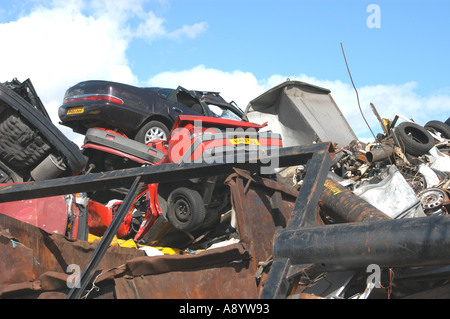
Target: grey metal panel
pixel 302 113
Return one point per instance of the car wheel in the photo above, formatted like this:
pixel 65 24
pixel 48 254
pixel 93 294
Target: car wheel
pixel 186 211
pixel 152 131
pixel 440 127
pixel 413 138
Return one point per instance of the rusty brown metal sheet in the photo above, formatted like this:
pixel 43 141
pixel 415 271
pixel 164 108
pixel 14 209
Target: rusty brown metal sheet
pixel 217 273
pixel 54 252
pixel 226 272
pixel 13 253
pixel 261 206
pixel 29 252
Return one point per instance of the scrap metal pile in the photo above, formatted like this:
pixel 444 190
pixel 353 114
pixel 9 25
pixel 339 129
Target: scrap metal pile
pixel 280 201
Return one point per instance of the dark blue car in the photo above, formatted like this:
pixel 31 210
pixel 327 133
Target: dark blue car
pixel 143 114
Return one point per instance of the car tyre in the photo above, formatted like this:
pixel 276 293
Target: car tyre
pixel 440 127
pixel 413 138
pixel 152 131
pixel 186 211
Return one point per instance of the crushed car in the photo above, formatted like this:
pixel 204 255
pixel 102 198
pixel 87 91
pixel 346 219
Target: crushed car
pixel 114 141
pixel 191 207
pixel 31 147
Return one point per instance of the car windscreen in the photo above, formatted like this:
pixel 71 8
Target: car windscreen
pixel 223 112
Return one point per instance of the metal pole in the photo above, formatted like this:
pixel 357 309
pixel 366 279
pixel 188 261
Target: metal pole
pixel 304 214
pixel 404 242
pixel 97 255
pixel 287 156
pixel 343 205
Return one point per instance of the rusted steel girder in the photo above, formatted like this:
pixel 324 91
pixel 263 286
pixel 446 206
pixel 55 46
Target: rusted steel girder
pixel 403 242
pixel 366 236
pixel 345 206
pixel 304 214
pixel 105 242
pixel 288 156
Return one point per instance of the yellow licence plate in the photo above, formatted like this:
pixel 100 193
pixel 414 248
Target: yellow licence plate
pixel 244 140
pixel 75 110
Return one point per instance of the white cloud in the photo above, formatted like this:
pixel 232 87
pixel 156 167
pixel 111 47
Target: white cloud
pixel 238 86
pixel 58 46
pixel 151 28
pixel 389 100
pixel 68 41
pixel 189 31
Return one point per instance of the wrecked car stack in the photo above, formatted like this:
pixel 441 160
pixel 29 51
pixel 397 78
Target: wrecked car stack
pixel 266 210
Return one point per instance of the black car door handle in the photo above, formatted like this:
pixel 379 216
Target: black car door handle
pixel 177 110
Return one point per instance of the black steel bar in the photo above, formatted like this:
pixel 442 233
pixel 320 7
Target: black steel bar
pixel 100 250
pixel 277 285
pixel 304 214
pixel 404 242
pixel 158 173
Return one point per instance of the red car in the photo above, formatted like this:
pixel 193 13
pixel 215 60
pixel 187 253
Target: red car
pixel 189 206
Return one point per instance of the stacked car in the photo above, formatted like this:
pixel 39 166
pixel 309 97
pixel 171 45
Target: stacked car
pixel 127 126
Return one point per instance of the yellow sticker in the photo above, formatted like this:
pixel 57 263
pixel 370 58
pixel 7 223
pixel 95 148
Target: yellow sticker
pixel 332 188
pixel 244 140
pixel 75 110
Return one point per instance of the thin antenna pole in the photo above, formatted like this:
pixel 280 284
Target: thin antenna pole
pixel 359 104
pixel 357 95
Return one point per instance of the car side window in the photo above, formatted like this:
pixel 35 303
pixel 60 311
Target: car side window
pixel 165 93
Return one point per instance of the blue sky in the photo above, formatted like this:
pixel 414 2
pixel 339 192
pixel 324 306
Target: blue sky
pixel 238 47
pixel 291 36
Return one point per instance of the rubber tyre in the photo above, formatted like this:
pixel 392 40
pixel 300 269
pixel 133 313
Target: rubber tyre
pixel 186 211
pixel 439 126
pixel 21 146
pixel 152 131
pixel 413 138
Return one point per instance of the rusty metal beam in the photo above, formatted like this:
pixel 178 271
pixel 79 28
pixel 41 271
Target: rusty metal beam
pixel 288 156
pixel 403 242
pixel 345 206
pixel 304 214
pixel 107 238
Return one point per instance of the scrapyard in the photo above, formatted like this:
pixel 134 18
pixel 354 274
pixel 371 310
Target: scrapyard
pixel 281 201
